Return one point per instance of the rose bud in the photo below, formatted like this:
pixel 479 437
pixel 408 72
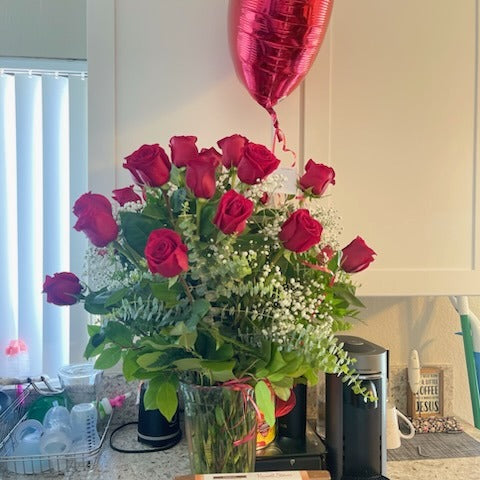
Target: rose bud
pixel 256 163
pixel 300 231
pixel 149 165
pixel 264 198
pixel 89 201
pixel 326 254
pixel 232 212
pixel 356 256
pixel 125 195
pixel 200 176
pixel 183 149
pixel 165 253
pixel 232 149
pixel 100 227
pixel 62 288
pixel 317 177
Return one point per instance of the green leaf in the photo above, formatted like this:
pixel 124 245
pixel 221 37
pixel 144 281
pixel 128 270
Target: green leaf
pixel 115 297
pixel 186 364
pixel 265 402
pixel 150 397
pixel 130 365
pixel 224 352
pixel 108 358
pixel 220 371
pixel 207 227
pixel 93 329
pixel 136 229
pixel 219 416
pixel 156 211
pixel 282 392
pixel 118 333
pixel 157 343
pixel 276 361
pixel 167 400
pixel 148 359
pixel 166 294
pixel 178 199
pixel 348 296
pixel 200 308
pixel 92 350
pixel 161 394
pixel 95 302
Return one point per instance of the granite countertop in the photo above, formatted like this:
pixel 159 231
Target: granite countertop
pixel 167 464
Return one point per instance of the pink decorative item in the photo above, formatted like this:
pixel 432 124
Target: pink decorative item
pixel 273 44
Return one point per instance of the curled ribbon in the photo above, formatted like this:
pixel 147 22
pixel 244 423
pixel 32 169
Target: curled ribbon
pixel 240 385
pixel 279 135
pixel 321 268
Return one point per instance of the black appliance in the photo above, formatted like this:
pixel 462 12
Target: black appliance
pixel 296 446
pixel 355 428
pixel 153 427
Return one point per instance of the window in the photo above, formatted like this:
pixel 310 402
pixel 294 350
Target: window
pixel 43 169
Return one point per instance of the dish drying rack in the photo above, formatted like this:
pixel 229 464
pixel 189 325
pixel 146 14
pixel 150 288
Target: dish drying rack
pixel 16 412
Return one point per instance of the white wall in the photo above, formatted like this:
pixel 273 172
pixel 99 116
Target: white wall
pixel 427 324
pixel 43 28
pixel 172 75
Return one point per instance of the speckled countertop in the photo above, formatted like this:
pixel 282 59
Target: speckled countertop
pixel 165 465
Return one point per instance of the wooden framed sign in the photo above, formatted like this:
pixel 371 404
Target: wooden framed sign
pixel 428 402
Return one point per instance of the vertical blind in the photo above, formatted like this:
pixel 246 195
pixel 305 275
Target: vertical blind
pixel 43 169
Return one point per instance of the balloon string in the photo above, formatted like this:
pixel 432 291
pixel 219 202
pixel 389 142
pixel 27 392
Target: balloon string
pixel 279 135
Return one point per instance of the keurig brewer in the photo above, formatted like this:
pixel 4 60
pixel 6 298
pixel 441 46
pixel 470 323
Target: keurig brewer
pixel 355 427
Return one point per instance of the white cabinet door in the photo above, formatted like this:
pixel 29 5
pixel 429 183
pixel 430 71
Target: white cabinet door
pixel 391 104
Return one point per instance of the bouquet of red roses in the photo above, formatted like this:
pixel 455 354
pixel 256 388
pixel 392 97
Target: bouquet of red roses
pixel 205 270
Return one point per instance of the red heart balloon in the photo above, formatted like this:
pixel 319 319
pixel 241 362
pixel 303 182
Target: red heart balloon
pixel 274 43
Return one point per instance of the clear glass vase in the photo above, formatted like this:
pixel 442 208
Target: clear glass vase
pixel 220 426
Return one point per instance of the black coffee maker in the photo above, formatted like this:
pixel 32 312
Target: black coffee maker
pixel 355 429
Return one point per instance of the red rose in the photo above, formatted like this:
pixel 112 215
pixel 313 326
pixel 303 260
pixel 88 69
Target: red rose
pixel 183 149
pixel 149 165
pixel 90 201
pixel 200 176
pixel 125 195
pixel 232 212
pixel 62 288
pixel 256 163
pixel 100 227
pixel 300 231
pixel 165 253
pixel 317 177
pixel 356 256
pixel 232 149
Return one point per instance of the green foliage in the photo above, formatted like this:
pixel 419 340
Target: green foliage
pixel 247 308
